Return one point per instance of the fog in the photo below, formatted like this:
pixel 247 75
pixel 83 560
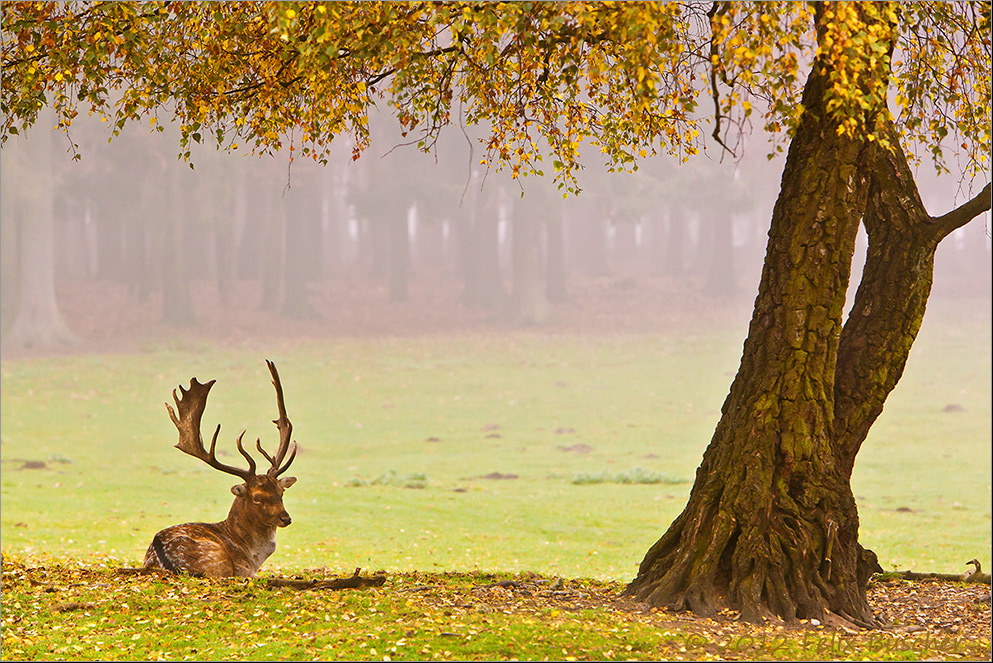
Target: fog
pixel 144 248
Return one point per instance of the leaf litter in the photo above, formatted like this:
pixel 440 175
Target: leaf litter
pixel 76 612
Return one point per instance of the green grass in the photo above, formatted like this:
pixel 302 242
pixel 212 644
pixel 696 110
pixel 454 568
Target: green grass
pixel 396 436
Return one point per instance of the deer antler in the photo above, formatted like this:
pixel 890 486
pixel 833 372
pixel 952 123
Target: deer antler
pixel 285 431
pixel 191 405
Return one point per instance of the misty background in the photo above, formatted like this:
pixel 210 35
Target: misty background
pixel 400 242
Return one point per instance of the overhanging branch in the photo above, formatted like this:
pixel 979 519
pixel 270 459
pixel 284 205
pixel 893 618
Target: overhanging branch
pixel 964 213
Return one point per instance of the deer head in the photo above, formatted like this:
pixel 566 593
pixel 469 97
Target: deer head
pixel 259 500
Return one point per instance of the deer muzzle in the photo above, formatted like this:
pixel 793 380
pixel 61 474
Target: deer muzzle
pixel 284 519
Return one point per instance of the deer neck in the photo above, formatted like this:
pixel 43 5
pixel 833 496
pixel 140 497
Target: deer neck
pixel 248 532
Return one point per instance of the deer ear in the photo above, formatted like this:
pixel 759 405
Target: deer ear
pixel 240 490
pixel 287 482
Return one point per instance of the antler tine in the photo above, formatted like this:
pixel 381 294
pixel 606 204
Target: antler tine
pixel 258 445
pixel 293 454
pixel 241 450
pixel 190 404
pixel 285 429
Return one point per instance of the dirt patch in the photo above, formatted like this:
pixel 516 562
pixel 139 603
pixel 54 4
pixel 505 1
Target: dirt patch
pixel 931 617
pixel 497 476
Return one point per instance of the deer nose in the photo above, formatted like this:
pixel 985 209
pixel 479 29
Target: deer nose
pixel 284 519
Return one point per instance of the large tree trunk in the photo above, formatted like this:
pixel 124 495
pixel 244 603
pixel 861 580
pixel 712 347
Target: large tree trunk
pixel 771 526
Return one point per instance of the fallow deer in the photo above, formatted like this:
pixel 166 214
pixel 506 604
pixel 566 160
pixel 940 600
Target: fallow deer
pixel 238 545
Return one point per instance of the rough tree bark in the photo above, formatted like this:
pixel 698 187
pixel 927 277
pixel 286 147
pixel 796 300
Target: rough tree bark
pixel 771 526
pixel 892 295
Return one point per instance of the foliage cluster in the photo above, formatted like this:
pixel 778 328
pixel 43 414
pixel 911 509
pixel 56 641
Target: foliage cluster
pixel 540 78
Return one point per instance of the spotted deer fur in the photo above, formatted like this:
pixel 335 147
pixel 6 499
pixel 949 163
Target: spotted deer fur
pixel 241 543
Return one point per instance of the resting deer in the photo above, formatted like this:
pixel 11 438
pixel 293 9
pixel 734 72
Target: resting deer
pixel 238 545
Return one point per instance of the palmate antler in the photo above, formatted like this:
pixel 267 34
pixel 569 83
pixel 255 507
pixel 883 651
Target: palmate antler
pixel 190 405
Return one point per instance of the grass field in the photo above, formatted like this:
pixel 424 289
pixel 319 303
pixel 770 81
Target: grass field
pixel 397 438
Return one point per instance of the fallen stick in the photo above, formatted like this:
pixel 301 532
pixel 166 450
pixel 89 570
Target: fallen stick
pixel 975 576
pixel 354 582
pixel 978 578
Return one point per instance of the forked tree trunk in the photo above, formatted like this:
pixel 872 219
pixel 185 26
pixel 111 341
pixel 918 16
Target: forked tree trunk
pixel 892 296
pixel 771 526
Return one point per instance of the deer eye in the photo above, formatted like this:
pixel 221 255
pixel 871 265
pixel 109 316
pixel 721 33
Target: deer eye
pixel 257 499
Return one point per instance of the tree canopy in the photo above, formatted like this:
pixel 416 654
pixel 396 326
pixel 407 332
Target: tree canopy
pixel 542 78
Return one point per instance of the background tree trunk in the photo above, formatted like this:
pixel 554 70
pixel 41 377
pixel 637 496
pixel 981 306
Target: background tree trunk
pixel 676 241
pixel 302 223
pixel 556 288
pixel 528 305
pixel 398 245
pixel 720 268
pixel 177 304
pixel 588 235
pixel 38 321
pixel 479 240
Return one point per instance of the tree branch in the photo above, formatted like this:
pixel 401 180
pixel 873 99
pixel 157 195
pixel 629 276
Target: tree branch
pixel 715 9
pixel 964 213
